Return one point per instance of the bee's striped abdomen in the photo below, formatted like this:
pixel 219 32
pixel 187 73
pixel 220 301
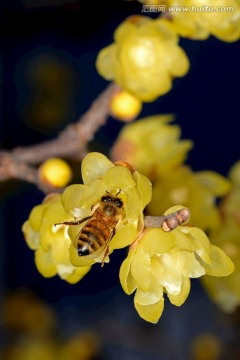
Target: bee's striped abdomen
pixel 92 237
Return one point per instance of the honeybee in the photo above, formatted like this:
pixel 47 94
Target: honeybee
pixel 94 237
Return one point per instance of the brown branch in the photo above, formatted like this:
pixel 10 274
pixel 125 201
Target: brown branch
pixel 71 143
pixel 168 222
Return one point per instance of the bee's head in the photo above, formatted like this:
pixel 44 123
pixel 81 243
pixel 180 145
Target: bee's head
pixel 116 201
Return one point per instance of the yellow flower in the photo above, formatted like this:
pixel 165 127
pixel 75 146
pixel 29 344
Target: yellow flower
pixel 51 244
pixel 220 18
pixel 197 191
pixel 152 146
pixel 55 172
pixel 164 262
pixel 144 58
pixel 230 204
pixel 124 106
pixel 104 180
pixel 226 292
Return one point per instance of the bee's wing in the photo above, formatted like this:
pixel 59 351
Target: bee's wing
pixel 101 255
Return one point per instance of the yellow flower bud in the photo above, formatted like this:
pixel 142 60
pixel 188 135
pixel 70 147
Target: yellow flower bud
pixel 125 106
pixel 55 172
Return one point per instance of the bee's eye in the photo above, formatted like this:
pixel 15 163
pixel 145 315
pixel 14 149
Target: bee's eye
pixel 106 199
pixel 118 203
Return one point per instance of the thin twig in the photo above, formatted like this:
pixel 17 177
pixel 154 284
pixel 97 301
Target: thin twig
pixel 168 222
pixel 71 143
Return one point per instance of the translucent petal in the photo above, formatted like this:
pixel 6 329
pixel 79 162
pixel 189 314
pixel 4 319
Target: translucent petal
pixel 71 197
pixel 35 217
pixel 72 275
pixel 44 263
pixel 126 279
pixel 155 241
pixel 94 166
pixel 183 242
pixel 31 236
pixel 179 299
pixel 140 269
pixel 105 61
pixel 215 182
pixel 125 236
pixel 60 253
pixel 152 295
pixel 200 242
pixel 221 264
pixel 190 267
pixel 133 206
pixel 117 178
pixel 92 194
pixel 178 60
pixel 170 278
pixel 151 313
pixel 145 188
pixel 124 29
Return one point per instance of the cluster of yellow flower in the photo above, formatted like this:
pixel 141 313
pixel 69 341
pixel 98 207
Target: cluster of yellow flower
pixel 158 262
pixel 174 182
pixel 198 19
pixel 145 56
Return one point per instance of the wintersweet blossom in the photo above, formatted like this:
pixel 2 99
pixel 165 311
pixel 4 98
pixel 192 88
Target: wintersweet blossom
pixel 49 243
pixel 152 145
pixel 100 177
pixel 164 262
pixel 200 19
pixel 226 293
pixel 197 191
pixel 144 57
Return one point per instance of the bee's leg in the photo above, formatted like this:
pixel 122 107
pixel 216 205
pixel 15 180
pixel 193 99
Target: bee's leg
pixel 105 255
pixel 107 248
pixel 73 222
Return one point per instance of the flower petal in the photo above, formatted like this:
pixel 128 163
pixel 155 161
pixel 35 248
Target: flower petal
pixel 190 267
pixel 152 295
pixel 71 197
pixel 152 312
pixel 72 274
pixel 44 263
pixel 170 277
pixel 140 269
pixel 133 204
pixel 215 182
pixel 126 279
pixel 156 241
pixel 94 166
pixel 118 178
pixel 221 264
pixel 124 236
pixel 31 236
pixel 179 299
pixel 200 242
pixel 145 188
